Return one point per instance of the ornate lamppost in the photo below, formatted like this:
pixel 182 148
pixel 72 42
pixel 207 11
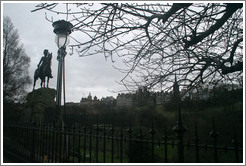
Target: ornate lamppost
pixel 62 29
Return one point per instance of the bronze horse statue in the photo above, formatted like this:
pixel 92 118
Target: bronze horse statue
pixel 44 70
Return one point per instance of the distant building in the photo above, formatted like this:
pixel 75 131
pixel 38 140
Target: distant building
pixel 125 100
pixel 89 100
pixel 144 97
pixel 108 100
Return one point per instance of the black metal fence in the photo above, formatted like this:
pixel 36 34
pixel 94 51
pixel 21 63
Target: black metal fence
pixel 101 143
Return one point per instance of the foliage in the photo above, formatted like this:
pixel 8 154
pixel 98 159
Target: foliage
pixel 220 97
pixel 199 42
pixel 15 64
pixel 12 111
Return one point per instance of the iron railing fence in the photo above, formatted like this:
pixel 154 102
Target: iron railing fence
pixel 103 144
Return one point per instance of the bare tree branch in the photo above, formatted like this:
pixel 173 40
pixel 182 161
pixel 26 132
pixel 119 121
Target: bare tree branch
pixel 199 42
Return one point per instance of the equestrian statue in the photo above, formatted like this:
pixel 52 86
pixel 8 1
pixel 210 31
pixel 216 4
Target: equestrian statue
pixel 44 69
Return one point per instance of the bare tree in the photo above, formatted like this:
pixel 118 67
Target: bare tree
pixel 198 42
pixel 15 64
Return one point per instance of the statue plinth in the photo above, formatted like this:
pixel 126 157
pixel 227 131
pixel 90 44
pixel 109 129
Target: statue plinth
pixel 41 103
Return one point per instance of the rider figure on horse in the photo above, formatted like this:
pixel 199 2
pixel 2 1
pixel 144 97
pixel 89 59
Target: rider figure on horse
pixel 44 69
pixel 44 61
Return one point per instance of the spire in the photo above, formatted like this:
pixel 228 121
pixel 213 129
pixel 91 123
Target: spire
pixel 89 96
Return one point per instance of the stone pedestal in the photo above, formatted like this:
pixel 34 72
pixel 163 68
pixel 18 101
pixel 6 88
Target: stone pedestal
pixel 41 105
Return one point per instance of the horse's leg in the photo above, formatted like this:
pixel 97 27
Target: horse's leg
pixel 44 82
pixel 34 83
pixel 48 81
pixel 41 83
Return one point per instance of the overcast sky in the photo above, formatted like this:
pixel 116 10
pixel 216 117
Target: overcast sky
pixel 83 74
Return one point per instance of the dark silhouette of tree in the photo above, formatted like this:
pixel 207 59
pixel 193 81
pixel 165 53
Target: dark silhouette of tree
pixel 15 64
pixel 199 42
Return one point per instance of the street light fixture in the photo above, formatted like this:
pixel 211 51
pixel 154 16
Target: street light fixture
pixel 62 40
pixel 62 29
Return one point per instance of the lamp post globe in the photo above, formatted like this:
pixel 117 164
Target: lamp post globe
pixel 62 29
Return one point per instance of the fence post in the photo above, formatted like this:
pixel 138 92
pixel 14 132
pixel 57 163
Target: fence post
pixel 104 143
pixel 53 143
pixel 90 146
pixel 235 142
pixel 165 144
pixel 97 130
pixel 48 132
pixel 196 139
pixel 79 146
pixel 26 139
pixel 40 158
pixel 65 143
pixel 121 145
pixel 30 140
pixel 112 150
pixel 130 141
pixel 33 153
pixel 152 132
pixel 37 142
pixel 179 129
pixel 140 139
pixel 59 143
pixel 214 135
pixel 73 141
pixel 84 146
